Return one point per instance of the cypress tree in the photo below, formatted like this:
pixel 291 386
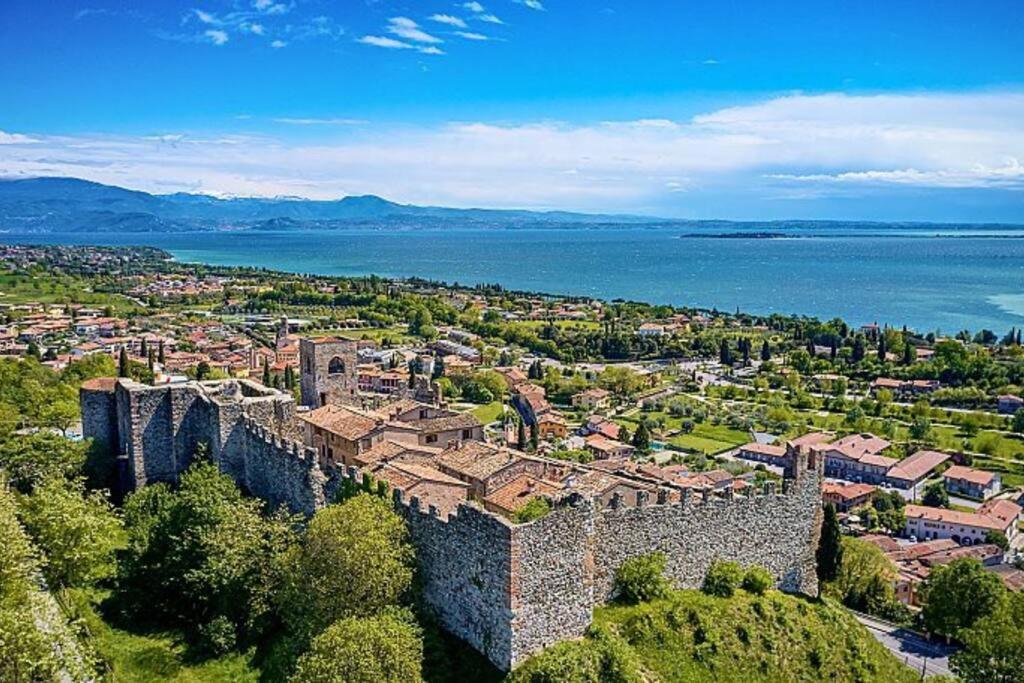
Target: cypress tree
pixel 534 436
pixel 521 435
pixel 858 349
pixel 908 354
pixel 160 353
pixel 642 438
pixel 122 363
pixel 725 353
pixel 412 374
pixel 766 351
pixel 881 348
pixel 829 554
pixel 267 381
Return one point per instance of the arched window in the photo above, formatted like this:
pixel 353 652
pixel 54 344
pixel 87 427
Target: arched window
pixel 336 366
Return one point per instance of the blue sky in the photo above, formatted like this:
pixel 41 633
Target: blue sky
pixel 896 110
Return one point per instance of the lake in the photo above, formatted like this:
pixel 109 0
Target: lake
pixel 925 277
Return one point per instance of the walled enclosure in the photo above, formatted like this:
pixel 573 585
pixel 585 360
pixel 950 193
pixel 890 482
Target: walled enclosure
pixel 508 590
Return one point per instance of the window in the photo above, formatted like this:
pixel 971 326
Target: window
pixel 467 433
pixel 431 438
pixel 336 366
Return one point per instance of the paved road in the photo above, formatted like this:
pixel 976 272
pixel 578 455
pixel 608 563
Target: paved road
pixel 909 647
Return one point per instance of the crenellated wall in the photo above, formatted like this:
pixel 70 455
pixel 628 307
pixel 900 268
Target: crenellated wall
pixel 508 590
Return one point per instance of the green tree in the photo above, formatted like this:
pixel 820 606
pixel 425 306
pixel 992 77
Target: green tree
pixel 829 555
pixel 1018 421
pixel 935 495
pixel 766 351
pixel 994 646
pixel 998 538
pixel 757 580
pixel 202 554
pixel 354 561
pixel 122 363
pixel 535 508
pixel 77 530
pixel 642 438
pixel 723 578
pixel 921 429
pixel 864 579
pixel 31 459
pixel 378 649
pixel 958 595
pixel 642 578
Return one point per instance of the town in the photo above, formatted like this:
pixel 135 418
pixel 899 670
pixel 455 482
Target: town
pixel 519 405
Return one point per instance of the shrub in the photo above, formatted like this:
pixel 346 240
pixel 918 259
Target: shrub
pixel 534 509
pixel 641 578
pixel 722 579
pixel 217 636
pixel 757 580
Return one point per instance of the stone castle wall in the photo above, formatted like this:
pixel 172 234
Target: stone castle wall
pixel 508 590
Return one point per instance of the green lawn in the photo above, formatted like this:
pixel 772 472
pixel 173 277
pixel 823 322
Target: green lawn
pixel 20 289
pixel 398 334
pixel 705 437
pixel 488 413
pixel 143 657
pixel 561 324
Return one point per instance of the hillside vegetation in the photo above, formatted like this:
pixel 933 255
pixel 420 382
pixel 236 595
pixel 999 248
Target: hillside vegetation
pixel 691 636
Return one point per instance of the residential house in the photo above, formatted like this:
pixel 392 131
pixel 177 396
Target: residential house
pixel 912 471
pixel 846 497
pixel 592 399
pixel 966 528
pixel 967 481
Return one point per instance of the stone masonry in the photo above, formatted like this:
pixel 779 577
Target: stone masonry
pixel 507 589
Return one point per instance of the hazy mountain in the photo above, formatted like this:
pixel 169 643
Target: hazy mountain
pixel 71 204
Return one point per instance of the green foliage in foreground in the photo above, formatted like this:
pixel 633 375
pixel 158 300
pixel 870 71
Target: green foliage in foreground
pixel 691 636
pixel 642 579
pixel 384 649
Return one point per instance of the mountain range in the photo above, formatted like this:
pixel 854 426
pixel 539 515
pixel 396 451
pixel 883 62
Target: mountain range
pixel 74 205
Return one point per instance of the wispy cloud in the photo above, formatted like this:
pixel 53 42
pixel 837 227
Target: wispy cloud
pixel 801 146
pixel 490 19
pixel 216 36
pixel 404 27
pixel 271 7
pixel 473 6
pixel 472 36
pixel 278 44
pixel 532 4
pixel 448 19
pixel 385 42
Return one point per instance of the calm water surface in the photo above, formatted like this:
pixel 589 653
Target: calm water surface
pixel 927 280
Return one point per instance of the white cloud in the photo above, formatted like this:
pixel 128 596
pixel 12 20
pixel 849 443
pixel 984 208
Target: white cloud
pixel 813 145
pixel 216 36
pixel 490 19
pixel 431 50
pixel 255 29
pixel 448 19
pixel 710 62
pixel 384 41
pixel 472 36
pixel 206 17
pixel 473 6
pixel 403 27
pixel 271 7
pixel 532 4
pixel 278 44
pixel 15 139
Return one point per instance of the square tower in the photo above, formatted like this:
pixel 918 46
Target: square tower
pixel 328 371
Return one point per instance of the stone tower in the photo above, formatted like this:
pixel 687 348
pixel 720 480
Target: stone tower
pixel 328 371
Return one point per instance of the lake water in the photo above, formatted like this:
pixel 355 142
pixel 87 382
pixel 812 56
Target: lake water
pixel 924 278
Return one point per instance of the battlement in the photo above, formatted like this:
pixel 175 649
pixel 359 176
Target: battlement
pixel 507 589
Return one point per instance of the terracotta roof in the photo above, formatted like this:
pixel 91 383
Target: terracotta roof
pixel 953 517
pixel 764 449
pixel 847 491
pixel 1004 511
pixel 100 384
pixel 969 474
pixel 446 423
pixel 917 465
pixel 885 543
pixel 346 422
pixel 518 492
pixel 978 552
pixel 476 460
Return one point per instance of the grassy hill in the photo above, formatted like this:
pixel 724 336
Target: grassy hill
pixel 691 636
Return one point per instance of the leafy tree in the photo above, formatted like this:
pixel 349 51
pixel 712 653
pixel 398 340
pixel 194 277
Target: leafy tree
pixel 1018 421
pixel 958 595
pixel 757 580
pixel 921 429
pixel 378 649
pixel 122 363
pixel 77 531
pixel 642 578
pixel 829 555
pixel 864 579
pixel 642 438
pixel 996 537
pixel 201 553
pixel 354 561
pixel 535 508
pixel 32 459
pixel 722 579
pixel 994 646
pixel 604 657
pixel 935 495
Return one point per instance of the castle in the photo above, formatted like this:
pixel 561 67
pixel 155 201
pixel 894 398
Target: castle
pixel 507 589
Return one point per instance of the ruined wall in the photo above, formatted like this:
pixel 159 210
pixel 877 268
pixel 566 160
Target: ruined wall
pixel 281 472
pixel 774 530
pixel 465 566
pixel 99 417
pixel 552 570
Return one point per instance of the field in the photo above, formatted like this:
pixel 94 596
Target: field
pixel 705 438
pixel 488 413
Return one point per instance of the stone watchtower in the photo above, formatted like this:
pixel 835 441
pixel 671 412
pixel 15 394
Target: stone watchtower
pixel 328 371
